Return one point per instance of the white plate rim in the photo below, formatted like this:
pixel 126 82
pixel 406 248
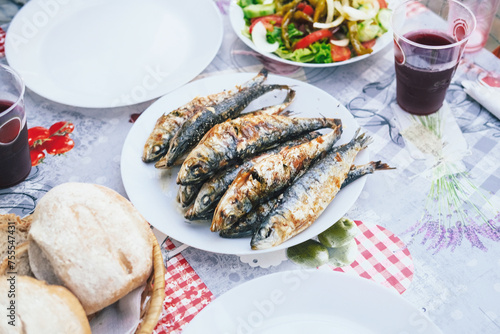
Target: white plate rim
pixel 171 83
pixel 132 166
pixel 252 293
pixel 237 23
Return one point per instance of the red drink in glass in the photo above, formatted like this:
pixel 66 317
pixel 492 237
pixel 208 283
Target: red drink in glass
pixel 15 162
pixel 429 41
pixel 419 90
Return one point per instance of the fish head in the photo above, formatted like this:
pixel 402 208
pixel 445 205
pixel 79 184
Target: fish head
pixel 207 201
pixel 265 237
pixel 174 152
pixel 193 170
pixel 153 151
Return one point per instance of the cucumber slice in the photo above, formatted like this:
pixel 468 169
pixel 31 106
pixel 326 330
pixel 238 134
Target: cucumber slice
pixel 252 11
pixel 339 234
pixel 244 3
pixel 368 30
pixel 344 255
pixel 310 253
pixel 384 18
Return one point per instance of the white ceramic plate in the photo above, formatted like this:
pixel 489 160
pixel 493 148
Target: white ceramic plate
pixel 238 24
pixel 109 53
pixel 316 301
pixel 153 191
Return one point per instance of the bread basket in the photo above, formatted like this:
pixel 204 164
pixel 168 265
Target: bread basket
pixel 155 290
pixel 153 295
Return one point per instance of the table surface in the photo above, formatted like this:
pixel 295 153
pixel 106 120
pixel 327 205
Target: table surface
pixel 458 287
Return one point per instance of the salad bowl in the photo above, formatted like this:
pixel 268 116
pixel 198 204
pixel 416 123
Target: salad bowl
pixel 240 27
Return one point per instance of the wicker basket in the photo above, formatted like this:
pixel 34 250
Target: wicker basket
pixel 155 290
pixel 154 293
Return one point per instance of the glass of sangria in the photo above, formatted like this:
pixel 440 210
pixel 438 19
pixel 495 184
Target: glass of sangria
pixel 429 41
pixel 15 162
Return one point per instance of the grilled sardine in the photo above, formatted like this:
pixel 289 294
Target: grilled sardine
pixel 303 202
pixel 246 226
pixel 269 177
pixel 168 124
pixel 195 127
pixel 240 138
pixel 213 189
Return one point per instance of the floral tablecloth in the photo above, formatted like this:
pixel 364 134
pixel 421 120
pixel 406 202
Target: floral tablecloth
pixel 453 271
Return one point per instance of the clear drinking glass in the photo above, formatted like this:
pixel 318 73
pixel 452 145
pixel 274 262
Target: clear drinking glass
pixel 429 41
pixel 15 162
pixel 484 11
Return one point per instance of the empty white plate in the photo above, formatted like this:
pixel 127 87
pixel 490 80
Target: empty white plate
pixel 310 301
pixel 109 53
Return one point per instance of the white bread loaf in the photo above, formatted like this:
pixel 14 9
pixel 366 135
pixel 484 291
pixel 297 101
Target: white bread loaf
pixel 91 240
pixel 41 308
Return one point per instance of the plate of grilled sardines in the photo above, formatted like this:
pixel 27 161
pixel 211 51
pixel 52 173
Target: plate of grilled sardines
pixel 245 162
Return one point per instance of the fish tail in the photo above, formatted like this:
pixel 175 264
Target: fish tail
pixel 278 109
pixel 257 80
pixel 331 122
pixel 378 165
pixel 362 140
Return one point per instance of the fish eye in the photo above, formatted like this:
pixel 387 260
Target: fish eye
pixel 264 232
pixel 205 199
pixel 197 168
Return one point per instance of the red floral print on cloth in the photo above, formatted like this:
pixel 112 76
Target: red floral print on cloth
pixel 54 141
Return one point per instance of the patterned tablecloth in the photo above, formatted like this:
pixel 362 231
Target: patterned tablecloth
pixel 444 263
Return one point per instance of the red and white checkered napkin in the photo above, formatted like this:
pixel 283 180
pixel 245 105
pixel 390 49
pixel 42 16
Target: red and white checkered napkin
pixel 186 295
pixel 383 258
pixel 2 42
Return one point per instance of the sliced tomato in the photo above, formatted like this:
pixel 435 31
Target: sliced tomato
pixel 340 53
pixel 369 44
pixel 37 135
pixel 313 37
pixel 308 10
pixel 58 145
pixel 382 3
pixel 61 128
pixel 269 22
pixel 36 155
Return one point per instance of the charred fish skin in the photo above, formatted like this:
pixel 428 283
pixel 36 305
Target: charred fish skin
pixel 306 199
pixel 187 194
pixel 246 226
pixel 278 109
pixel 195 128
pixel 168 124
pixel 241 138
pixel 213 189
pixel 269 177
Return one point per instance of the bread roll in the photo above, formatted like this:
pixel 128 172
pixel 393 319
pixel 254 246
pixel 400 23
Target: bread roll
pixel 40 308
pixel 91 240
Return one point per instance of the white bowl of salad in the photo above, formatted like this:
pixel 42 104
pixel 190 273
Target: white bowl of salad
pixel 313 33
